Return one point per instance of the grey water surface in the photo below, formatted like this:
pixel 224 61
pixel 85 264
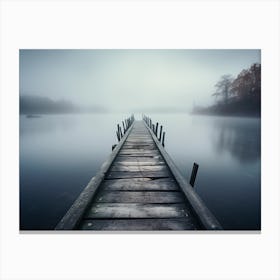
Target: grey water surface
pixel 59 154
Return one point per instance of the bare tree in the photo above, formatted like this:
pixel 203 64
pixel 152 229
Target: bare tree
pixel 223 88
pixel 247 85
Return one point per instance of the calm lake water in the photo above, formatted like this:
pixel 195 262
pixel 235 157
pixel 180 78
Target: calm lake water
pixel 59 154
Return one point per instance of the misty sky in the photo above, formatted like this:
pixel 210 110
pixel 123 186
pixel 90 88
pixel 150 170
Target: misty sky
pixel 130 80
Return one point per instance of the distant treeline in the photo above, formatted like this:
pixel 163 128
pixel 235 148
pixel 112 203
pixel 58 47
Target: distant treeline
pixel 31 104
pixel 240 96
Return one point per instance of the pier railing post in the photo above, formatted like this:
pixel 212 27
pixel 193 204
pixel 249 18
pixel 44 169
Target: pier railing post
pixel 120 131
pixel 163 138
pixel 156 129
pixel 160 133
pixel 194 172
pixel 126 124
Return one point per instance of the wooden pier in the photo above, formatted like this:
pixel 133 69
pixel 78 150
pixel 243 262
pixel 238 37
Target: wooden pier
pixel 139 188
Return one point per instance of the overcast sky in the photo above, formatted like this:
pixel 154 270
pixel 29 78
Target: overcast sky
pixel 130 80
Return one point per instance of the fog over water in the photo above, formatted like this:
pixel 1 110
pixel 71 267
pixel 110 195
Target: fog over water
pixel 130 80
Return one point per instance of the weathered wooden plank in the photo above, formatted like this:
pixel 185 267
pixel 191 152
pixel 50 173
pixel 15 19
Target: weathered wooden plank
pixel 140 184
pixel 138 141
pixel 153 159
pixel 136 210
pixel 139 197
pixel 139 224
pixel 137 174
pixel 140 155
pixel 138 167
pixel 137 146
pixel 139 136
pixel 140 163
pixel 139 152
pixel 141 143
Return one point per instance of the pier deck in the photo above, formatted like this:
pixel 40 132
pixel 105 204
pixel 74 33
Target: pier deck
pixel 138 190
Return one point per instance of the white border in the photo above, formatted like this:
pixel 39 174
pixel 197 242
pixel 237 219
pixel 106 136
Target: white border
pixel 155 24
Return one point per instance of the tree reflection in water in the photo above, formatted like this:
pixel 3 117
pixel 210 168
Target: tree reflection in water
pixel 240 137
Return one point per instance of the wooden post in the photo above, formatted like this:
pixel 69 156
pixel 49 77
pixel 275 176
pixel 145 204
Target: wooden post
pixel 118 135
pixel 156 129
pixel 123 127
pixel 120 131
pixel 153 128
pixel 160 133
pixel 163 138
pixel 194 172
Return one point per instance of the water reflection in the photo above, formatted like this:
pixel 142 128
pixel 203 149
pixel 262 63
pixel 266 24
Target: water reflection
pixel 240 137
pixel 45 124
